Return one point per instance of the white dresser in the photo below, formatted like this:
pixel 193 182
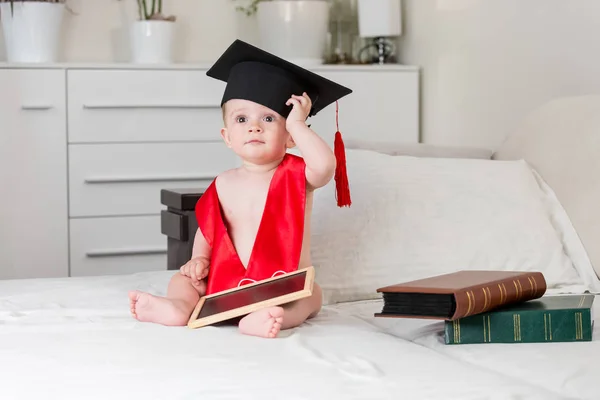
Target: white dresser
pixel 86 149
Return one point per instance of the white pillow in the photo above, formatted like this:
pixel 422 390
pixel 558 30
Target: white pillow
pixel 413 218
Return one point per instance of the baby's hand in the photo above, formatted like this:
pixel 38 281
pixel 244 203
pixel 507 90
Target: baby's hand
pixel 196 269
pixel 301 107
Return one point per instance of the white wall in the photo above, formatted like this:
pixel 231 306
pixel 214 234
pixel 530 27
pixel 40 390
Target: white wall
pixel 487 63
pixel 94 32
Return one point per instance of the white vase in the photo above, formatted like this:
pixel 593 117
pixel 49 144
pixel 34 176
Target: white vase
pixel 32 31
pixel 152 42
pixel 295 30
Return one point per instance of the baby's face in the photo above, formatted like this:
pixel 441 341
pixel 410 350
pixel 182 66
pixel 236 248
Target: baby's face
pixel 256 133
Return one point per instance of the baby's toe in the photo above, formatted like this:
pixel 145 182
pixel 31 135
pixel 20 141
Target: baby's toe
pixel 133 295
pixel 275 329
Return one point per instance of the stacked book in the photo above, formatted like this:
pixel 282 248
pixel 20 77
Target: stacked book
pixel 492 307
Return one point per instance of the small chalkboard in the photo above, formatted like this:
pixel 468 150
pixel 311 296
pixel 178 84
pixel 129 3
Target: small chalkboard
pixel 248 298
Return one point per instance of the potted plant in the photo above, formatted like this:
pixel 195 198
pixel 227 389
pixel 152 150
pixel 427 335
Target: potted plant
pixel 296 30
pixel 151 37
pixel 32 29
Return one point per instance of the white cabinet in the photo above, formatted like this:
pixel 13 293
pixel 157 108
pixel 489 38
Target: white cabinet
pixel 143 105
pixel 126 178
pixel 85 151
pixel 33 174
pixel 116 245
pixel 383 105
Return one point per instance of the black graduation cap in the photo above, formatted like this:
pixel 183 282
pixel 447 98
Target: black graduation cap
pixel 259 76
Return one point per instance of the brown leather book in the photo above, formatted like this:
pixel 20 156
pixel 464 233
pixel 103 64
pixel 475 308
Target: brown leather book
pixel 460 294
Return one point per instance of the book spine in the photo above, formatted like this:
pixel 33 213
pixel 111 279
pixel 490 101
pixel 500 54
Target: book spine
pixel 531 326
pixel 477 300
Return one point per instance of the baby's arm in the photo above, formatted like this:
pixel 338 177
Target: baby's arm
pixel 197 267
pixel 319 158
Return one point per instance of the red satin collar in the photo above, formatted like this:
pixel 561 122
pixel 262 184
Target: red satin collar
pixel 278 243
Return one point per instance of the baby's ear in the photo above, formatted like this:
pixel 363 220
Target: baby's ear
pixel 290 144
pixel 225 136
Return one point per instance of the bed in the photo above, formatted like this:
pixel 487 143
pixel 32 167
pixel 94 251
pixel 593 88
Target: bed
pixel 417 211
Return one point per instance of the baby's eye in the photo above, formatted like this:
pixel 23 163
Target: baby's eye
pixel 269 118
pixel 240 120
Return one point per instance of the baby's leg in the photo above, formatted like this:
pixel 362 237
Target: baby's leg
pixel 267 322
pixel 173 310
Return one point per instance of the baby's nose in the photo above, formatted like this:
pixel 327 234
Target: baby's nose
pixel 255 128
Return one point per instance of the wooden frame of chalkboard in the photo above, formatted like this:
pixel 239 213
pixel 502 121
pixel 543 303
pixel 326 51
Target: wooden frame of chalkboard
pixel 242 300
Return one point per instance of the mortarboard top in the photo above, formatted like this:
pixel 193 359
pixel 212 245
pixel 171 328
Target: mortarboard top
pixel 259 76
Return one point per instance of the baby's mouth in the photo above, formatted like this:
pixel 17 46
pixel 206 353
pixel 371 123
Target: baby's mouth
pixel 255 141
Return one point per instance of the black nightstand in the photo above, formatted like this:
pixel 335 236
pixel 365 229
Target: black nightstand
pixel 178 222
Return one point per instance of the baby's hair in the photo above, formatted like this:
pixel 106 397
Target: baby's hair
pixel 224 112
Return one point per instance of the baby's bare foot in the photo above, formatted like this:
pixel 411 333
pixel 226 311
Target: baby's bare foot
pixel 149 308
pixel 264 323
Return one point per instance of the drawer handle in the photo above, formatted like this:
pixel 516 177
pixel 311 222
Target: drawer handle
pixel 184 106
pixel 36 107
pixel 125 252
pixel 130 179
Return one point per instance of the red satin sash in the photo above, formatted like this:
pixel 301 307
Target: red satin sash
pixel 278 242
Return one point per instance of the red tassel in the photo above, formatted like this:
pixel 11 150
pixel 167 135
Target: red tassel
pixel 342 187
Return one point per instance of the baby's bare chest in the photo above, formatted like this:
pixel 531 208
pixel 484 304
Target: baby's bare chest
pixel 243 204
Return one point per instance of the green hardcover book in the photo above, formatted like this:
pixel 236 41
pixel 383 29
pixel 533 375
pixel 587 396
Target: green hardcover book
pixel 565 318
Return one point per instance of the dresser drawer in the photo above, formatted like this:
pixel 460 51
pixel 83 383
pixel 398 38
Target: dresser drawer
pixel 143 105
pixel 126 179
pixel 383 107
pixel 123 245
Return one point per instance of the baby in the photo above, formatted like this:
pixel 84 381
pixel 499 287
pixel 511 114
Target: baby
pixel 254 221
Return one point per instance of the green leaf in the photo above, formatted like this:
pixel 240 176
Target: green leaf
pixel 140 7
pixel 252 7
pixel 145 9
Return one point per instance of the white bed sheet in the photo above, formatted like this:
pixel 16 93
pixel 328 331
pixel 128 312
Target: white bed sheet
pixel 74 339
pixel 571 370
